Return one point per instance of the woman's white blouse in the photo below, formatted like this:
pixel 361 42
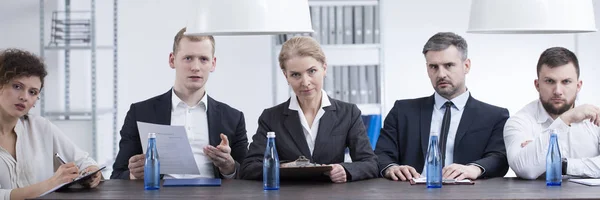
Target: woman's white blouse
pixel 37 142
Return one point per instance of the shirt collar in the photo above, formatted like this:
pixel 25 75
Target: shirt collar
pixel 294 105
pixel 459 102
pixel 176 101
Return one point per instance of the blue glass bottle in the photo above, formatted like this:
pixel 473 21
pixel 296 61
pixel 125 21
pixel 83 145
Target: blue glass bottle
pixel 553 162
pixel 152 165
pixel 434 162
pixel 271 164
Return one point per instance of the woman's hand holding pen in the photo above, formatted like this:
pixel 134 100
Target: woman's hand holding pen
pixel 65 173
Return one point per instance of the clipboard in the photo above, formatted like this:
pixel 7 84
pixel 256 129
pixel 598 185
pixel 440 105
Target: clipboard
pixel 303 172
pixel 302 169
pixel 79 179
pixel 422 181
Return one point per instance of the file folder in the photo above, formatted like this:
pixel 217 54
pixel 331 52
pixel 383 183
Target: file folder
pixel 324 25
pixel 368 24
pixel 315 16
pixel 192 182
pixel 354 81
pixel 339 25
pixel 358 25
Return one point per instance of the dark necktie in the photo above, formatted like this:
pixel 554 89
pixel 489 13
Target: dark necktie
pixel 445 129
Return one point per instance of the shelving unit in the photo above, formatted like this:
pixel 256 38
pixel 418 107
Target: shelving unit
pixel 76 31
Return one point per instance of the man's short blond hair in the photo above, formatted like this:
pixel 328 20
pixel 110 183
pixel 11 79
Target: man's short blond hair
pixel 180 36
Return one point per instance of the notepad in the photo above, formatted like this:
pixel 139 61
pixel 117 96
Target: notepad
pixel 423 180
pixel 192 182
pixel 588 182
pixel 82 177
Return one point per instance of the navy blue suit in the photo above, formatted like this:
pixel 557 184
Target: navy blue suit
pixel 479 138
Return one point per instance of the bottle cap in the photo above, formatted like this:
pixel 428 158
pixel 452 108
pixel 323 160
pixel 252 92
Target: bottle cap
pixel 271 134
pixel 151 135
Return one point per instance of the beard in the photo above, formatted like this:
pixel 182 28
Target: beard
pixel 551 109
pixel 450 90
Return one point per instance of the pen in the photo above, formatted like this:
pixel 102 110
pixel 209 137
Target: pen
pixel 60 158
pixel 62 161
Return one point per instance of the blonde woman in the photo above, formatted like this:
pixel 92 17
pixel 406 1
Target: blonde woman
pixel 310 123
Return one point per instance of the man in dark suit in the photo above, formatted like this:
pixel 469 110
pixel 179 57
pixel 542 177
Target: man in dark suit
pixel 217 132
pixel 470 131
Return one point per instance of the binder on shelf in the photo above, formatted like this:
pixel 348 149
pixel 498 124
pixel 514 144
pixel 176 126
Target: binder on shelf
pixel 315 16
pixel 339 25
pixel 358 25
pixel 345 84
pixel 376 19
pixel 331 32
pixel 354 84
pixel 377 85
pixel 329 85
pixel 362 85
pixel 337 82
pixel 324 25
pixel 372 83
pixel 368 22
pixel 348 29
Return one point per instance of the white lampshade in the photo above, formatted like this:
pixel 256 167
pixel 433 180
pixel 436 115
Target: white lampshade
pixel 249 17
pixel 532 16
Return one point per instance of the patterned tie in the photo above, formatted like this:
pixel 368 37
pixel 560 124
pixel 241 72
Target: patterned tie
pixel 445 129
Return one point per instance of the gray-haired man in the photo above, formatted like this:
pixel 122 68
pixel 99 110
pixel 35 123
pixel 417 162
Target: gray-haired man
pixel 471 142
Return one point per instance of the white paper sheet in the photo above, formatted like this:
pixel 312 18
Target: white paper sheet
pixel 424 180
pixel 588 182
pixel 174 150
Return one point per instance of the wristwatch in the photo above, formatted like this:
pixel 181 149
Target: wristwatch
pixel 564 166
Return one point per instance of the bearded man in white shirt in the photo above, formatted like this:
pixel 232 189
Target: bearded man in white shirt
pixel 527 133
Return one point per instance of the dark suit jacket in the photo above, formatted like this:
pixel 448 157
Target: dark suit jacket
pixel 405 136
pixel 221 119
pixel 341 126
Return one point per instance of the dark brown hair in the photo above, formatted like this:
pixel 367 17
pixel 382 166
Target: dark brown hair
pixel 555 57
pixel 15 63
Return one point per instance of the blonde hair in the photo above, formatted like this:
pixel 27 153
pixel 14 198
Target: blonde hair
pixel 301 46
pixel 180 36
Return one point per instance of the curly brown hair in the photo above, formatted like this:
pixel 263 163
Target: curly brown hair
pixel 16 63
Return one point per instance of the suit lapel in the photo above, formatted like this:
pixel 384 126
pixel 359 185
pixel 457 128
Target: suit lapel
pixel 468 116
pixel 291 122
pixel 162 109
pixel 426 113
pixel 326 123
pixel 214 117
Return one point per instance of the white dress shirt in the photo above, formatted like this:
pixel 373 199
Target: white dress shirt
pixel 579 143
pixel 310 132
pixel 37 141
pixel 437 117
pixel 195 121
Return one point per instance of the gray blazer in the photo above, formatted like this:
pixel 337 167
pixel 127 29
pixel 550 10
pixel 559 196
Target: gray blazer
pixel 341 126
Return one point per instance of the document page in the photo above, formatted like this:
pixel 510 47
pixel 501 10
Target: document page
pixel 174 150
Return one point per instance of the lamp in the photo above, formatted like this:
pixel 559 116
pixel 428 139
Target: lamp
pixel 249 17
pixel 532 16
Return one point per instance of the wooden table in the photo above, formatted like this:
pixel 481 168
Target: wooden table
pixel 498 188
